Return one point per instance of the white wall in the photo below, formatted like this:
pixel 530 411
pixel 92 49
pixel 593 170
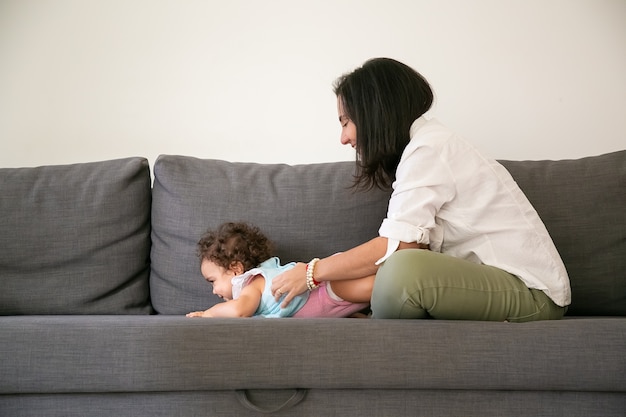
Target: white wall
pixel 85 80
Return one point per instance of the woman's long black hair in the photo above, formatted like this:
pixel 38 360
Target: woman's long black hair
pixel 382 98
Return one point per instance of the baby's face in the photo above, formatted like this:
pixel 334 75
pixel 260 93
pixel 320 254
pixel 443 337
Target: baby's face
pixel 219 277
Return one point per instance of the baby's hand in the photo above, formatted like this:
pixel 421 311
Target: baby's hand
pixel 199 314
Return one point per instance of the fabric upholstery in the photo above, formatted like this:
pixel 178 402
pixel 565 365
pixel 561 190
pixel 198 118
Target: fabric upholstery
pixel 306 210
pixel 166 353
pixel 75 239
pixel 582 202
pixel 328 403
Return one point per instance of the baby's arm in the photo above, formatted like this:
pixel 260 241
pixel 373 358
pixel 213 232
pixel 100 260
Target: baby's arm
pixel 244 306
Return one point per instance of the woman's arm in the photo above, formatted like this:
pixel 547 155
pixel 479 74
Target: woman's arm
pixel 358 262
pixel 244 306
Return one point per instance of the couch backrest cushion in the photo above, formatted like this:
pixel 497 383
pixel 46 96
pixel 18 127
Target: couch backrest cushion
pixel 583 205
pixel 306 210
pixel 75 239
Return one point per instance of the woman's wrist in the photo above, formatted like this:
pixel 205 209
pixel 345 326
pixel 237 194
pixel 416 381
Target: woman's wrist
pixel 311 283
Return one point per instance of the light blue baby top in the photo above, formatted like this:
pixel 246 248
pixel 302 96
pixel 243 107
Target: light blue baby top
pixel 268 307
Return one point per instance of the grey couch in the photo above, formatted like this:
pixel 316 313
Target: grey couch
pixel 98 266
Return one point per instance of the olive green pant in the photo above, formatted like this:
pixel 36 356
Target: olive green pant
pixel 419 284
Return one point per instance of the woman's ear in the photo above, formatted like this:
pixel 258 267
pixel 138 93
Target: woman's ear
pixel 237 268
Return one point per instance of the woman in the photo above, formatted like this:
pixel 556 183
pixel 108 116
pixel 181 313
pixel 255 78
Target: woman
pixel 460 240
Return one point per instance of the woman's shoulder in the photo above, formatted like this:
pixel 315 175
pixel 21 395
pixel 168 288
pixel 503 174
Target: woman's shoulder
pixel 431 132
pixel 428 142
pixel 434 139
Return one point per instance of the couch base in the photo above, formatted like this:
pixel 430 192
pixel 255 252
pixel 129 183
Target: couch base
pixel 175 366
pixel 319 402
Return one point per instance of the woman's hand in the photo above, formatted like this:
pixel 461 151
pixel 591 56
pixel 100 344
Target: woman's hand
pixel 289 284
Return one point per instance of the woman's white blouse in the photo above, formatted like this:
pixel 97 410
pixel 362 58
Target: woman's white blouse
pixel 447 195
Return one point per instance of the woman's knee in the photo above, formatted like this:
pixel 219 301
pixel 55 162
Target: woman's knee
pixel 398 280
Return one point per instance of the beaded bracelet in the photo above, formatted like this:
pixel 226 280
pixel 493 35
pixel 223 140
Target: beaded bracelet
pixel 311 283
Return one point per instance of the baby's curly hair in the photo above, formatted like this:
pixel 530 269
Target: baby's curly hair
pixel 235 242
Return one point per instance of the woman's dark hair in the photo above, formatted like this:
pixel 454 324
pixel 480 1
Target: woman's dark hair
pixel 382 98
pixel 235 242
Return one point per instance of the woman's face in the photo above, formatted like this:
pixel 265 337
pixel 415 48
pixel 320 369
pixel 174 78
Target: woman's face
pixel 348 128
pixel 219 277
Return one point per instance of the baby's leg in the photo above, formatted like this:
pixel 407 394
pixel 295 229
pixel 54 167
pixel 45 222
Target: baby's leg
pixel 354 290
pixel 323 303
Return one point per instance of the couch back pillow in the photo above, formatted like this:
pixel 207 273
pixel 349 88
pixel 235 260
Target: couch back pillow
pixel 75 239
pixel 306 210
pixel 583 205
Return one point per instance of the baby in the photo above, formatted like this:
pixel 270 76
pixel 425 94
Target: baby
pixel 236 259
